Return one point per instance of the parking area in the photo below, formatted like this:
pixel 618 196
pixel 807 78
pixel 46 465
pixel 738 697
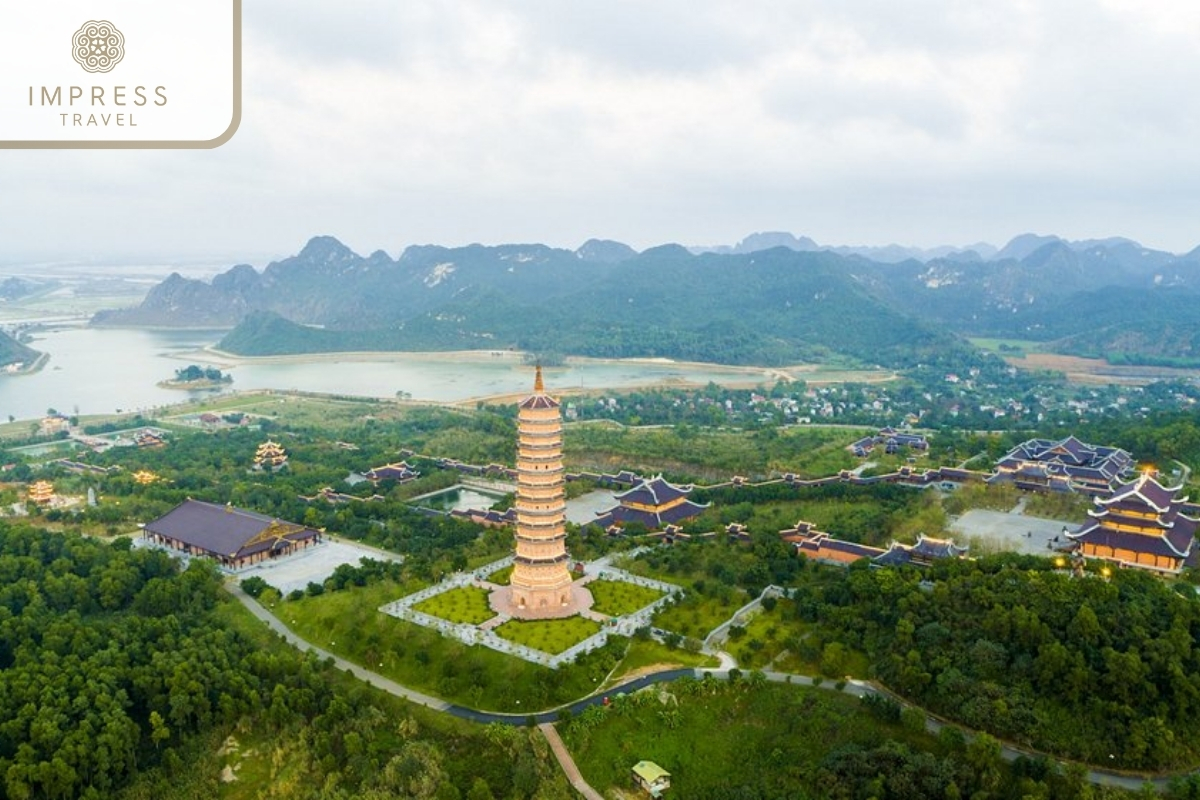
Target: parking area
pixel 999 531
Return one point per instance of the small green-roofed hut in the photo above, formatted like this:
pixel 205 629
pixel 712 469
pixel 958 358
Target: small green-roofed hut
pixel 651 777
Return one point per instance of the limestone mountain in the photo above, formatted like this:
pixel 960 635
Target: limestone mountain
pixel 14 352
pixel 769 307
pixel 762 306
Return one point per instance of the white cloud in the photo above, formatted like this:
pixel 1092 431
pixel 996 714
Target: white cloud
pixel 388 123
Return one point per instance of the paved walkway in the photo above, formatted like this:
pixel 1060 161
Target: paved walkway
pixel 567 763
pixel 386 684
pixel 856 688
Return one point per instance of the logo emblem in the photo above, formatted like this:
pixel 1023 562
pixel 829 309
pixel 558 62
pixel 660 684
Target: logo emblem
pixel 98 46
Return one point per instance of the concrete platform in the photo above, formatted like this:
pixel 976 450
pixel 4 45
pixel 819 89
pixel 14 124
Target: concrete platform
pixel 999 531
pixel 500 601
pixel 313 565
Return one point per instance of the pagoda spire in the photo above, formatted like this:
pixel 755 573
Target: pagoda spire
pixel 538 386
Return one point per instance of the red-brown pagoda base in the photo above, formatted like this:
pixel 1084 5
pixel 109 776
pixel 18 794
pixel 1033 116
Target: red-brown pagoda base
pixel 501 602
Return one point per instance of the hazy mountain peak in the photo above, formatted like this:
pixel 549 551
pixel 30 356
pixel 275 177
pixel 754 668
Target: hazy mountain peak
pixel 769 239
pixel 325 248
pixel 1025 244
pixel 605 251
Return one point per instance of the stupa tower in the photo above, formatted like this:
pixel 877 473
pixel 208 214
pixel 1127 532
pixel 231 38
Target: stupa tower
pixel 541 578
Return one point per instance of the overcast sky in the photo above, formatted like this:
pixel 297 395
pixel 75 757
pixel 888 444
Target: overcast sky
pixel 393 122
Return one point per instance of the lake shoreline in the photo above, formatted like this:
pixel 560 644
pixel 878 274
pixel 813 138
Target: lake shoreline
pixel 492 356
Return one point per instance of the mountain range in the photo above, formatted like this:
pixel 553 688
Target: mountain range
pixel 771 299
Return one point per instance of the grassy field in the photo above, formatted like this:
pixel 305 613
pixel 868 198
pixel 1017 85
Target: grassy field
pixel 717 739
pixel 697 612
pixel 349 623
pixel 709 455
pixel 500 577
pixel 645 654
pixel 551 636
pixel 467 605
pixel 1009 347
pixel 776 639
pixel 618 598
pixel 696 615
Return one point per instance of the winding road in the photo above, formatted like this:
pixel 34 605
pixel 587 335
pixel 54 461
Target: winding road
pixel 546 719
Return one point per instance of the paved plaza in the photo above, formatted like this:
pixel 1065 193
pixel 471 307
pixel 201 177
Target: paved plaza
pixel 314 565
pixel 584 509
pixel 996 531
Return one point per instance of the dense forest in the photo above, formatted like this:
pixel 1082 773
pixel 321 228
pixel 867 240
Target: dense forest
pixel 1105 671
pixel 115 666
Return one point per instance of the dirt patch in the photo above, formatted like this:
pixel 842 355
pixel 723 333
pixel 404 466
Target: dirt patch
pixel 1097 370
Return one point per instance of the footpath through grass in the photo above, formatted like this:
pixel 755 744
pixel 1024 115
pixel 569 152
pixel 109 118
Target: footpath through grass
pixel 350 624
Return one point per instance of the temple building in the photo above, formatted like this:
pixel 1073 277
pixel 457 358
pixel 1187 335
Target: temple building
pixel 149 439
pixel 541 576
pixel 1067 465
pixel 654 503
pixel 893 441
pixel 400 473
pixel 144 477
pixel 820 546
pixel 270 455
pixel 922 554
pixel 1140 524
pixel 40 492
pixel 234 537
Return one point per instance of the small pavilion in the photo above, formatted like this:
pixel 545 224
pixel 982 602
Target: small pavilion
pixel 270 455
pixel 40 492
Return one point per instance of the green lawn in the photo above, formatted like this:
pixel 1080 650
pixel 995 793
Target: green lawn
pixel 500 577
pixel 718 740
pixel 699 610
pixel 1008 347
pixel 618 598
pixel 349 624
pixel 645 653
pixel 467 604
pixel 551 636
pixel 696 614
pixel 776 639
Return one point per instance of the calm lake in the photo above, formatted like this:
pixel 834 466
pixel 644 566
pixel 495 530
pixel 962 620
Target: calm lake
pixel 99 371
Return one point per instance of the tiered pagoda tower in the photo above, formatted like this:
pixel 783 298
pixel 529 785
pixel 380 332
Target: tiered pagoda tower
pixel 41 492
pixel 541 577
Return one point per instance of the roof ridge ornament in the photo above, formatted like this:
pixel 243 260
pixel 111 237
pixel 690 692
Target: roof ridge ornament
pixel 538 386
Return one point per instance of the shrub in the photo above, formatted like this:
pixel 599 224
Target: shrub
pixel 254 586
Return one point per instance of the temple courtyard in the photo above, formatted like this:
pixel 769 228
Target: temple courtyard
pixel 1008 531
pixel 471 607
